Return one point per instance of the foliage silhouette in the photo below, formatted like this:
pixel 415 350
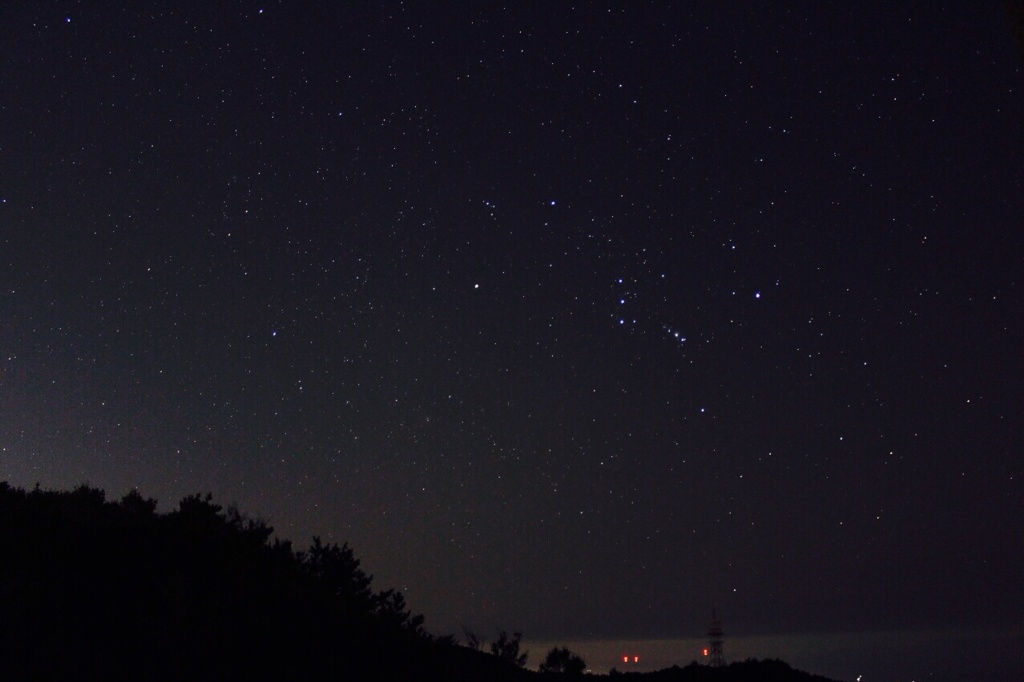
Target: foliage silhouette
pixel 563 661
pixel 473 640
pixel 507 648
pixel 92 589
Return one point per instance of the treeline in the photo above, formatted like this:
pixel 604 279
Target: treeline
pixel 94 589
pixel 742 671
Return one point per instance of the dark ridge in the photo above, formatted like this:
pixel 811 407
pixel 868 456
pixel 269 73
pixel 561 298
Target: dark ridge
pixel 92 589
pixel 752 670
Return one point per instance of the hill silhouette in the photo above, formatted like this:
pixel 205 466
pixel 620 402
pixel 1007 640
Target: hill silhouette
pixel 750 670
pixel 94 589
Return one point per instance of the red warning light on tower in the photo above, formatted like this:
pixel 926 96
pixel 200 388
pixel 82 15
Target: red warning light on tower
pixel 705 652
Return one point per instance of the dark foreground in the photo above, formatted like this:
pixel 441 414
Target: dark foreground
pixel 91 589
pixel 759 671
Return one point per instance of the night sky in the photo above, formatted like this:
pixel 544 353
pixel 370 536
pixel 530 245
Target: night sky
pixel 580 320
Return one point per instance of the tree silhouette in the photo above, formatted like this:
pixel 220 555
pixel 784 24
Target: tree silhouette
pixel 473 640
pixel 390 610
pixel 92 589
pixel 507 648
pixel 563 661
pixel 136 505
pixel 97 589
pixel 337 572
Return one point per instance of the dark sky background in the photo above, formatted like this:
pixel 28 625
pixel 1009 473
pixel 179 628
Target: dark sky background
pixel 580 320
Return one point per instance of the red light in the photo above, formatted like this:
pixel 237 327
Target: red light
pixel 705 652
pixel 636 659
pixel 625 659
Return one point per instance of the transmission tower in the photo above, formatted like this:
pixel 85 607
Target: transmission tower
pixel 716 659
